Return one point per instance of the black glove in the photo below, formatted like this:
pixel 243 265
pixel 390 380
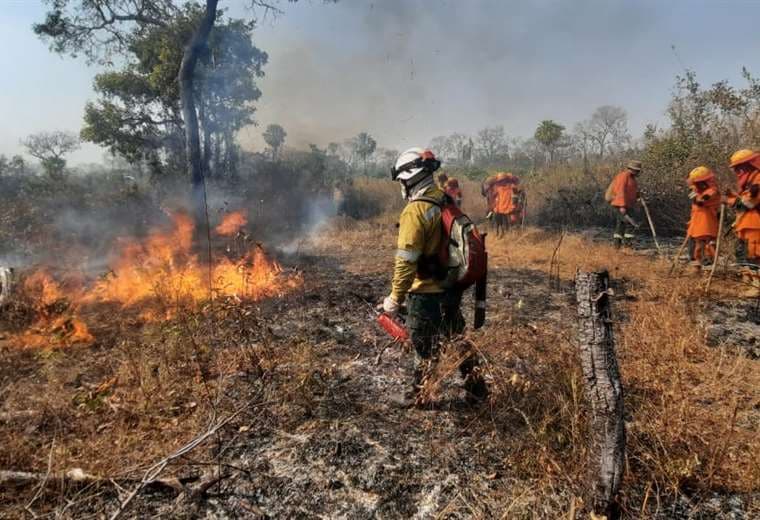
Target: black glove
pixel 754 190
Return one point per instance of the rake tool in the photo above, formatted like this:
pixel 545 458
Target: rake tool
pixel 651 225
pixel 717 246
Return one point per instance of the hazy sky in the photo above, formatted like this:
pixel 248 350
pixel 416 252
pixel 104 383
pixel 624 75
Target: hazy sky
pixel 408 70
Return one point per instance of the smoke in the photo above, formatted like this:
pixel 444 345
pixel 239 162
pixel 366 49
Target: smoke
pixel 409 70
pixel 318 214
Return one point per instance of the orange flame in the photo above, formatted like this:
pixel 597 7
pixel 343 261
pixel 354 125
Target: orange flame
pixel 155 276
pixel 231 224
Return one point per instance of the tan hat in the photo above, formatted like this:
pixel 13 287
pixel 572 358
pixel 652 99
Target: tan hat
pixel 634 165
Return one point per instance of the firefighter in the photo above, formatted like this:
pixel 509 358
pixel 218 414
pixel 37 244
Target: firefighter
pixel 433 313
pixel 502 202
pixel 622 195
pixel 746 202
pixel 452 189
pixel 703 224
pixel 486 189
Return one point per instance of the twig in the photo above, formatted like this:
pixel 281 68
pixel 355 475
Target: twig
pixel 44 480
pixel 157 468
pixel 678 254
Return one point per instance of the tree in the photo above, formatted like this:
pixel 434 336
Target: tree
pixel 582 139
pixel 102 28
pixel 274 136
pixel 137 113
pixel 608 126
pixel 51 148
pixel 364 146
pixel 492 143
pixel 549 135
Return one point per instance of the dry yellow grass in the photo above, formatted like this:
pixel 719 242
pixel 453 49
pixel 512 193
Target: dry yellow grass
pixel 692 410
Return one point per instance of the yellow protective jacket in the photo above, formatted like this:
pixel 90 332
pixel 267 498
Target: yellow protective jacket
pixel 419 237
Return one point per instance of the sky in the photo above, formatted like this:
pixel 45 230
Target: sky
pixel 409 70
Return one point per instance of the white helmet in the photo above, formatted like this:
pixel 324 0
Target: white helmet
pixel 412 167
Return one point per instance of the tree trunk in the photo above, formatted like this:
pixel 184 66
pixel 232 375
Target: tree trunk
pixel 604 391
pixel 206 157
pixel 192 134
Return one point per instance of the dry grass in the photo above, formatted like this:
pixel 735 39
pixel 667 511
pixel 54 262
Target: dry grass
pixel 692 410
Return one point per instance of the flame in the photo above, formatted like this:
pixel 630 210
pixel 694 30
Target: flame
pixel 231 224
pixel 154 276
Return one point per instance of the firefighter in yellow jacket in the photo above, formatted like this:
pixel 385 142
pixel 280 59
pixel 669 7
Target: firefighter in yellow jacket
pixel 432 311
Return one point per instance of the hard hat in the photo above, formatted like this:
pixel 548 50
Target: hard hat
pixel 500 176
pixel 700 174
pixel 634 165
pixel 413 166
pixel 742 156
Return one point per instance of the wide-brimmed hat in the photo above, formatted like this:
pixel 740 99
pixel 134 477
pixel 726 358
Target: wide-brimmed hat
pixel 634 165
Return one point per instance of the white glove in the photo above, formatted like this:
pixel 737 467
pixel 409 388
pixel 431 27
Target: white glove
pixel 390 306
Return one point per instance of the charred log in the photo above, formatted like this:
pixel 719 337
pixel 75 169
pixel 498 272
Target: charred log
pixel 604 391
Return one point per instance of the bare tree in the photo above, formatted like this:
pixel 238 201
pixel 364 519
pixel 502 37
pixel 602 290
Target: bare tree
pixel 51 148
pixel 492 143
pixel 275 136
pixel 583 140
pixel 608 126
pixel 441 146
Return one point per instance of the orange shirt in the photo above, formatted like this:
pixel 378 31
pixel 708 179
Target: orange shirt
pixel 502 198
pixel 704 216
pixel 625 189
pixel 749 219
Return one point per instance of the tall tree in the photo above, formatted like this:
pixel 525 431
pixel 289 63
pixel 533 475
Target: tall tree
pixel 51 149
pixel 275 136
pixel 364 146
pixel 608 126
pixel 137 113
pixel 101 29
pixel 492 143
pixel 549 134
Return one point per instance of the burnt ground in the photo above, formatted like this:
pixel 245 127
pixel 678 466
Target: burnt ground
pixel 349 451
pixel 326 440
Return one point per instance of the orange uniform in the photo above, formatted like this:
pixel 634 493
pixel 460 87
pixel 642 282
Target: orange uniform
pixel 502 199
pixel 747 223
pixel 704 212
pixel 625 190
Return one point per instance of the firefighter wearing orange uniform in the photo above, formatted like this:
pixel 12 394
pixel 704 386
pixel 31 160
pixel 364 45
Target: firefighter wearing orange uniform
pixel 502 202
pixel 703 224
pixel 746 202
pixel 452 189
pixel 622 195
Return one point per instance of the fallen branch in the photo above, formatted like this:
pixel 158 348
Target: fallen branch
pixel 78 476
pixel 33 477
pixel 152 473
pixel 6 417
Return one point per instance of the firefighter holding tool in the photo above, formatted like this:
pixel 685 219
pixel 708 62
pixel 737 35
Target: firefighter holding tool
pixel 439 254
